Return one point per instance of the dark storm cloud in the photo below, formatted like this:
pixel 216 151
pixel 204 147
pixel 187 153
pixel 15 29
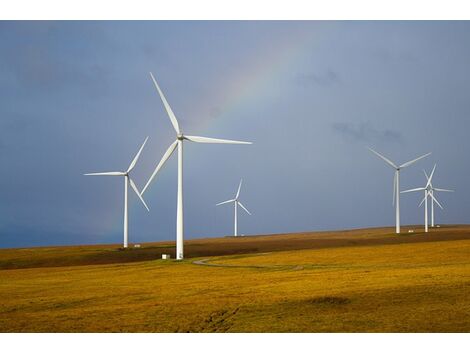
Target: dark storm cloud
pixel 366 132
pixel 76 97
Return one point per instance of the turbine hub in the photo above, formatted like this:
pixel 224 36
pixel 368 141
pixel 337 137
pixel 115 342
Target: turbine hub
pixel 179 137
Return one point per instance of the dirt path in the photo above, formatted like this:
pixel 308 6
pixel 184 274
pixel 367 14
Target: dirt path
pixel 206 262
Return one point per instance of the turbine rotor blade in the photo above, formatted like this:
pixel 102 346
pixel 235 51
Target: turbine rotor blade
pixel 408 163
pixel 414 190
pixel 113 173
pixel 434 199
pixel 245 209
pixel 442 190
pixel 384 158
pixel 239 187
pixel 198 139
pixel 134 187
pixel 170 113
pixel 132 165
pixel 165 157
pixel 420 204
pixel 394 187
pixel 430 176
pixel 425 174
pixel 227 201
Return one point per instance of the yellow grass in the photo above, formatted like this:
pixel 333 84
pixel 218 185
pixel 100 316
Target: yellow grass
pixel 412 287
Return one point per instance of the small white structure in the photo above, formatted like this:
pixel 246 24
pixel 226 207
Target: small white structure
pixel 165 256
pixel 136 245
pixel 411 231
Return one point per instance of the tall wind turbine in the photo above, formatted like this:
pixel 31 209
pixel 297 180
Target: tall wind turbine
pixel 127 181
pixel 396 183
pixel 236 203
pixel 178 143
pixel 434 199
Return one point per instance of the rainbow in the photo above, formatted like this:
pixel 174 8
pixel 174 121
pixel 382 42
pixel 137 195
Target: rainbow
pixel 246 88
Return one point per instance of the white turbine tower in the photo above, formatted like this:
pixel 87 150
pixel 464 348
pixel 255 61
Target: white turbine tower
pixel 396 184
pixel 236 203
pixel 434 199
pixel 179 143
pixel 127 180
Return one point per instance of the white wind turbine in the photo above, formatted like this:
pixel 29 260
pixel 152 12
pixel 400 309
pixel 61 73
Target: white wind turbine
pixel 127 180
pixel 179 143
pixel 434 199
pixel 428 192
pixel 236 203
pixel 396 183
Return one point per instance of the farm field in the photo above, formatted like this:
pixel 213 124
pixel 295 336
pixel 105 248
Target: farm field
pixel 365 280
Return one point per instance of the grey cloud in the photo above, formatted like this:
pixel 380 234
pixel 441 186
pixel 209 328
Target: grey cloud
pixel 366 132
pixel 322 79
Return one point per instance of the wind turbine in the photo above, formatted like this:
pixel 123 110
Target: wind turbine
pixel 427 193
pixel 236 203
pixel 127 181
pixel 396 183
pixel 434 199
pixel 178 143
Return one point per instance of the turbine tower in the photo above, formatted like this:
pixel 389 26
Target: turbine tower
pixel 178 143
pixel 396 184
pixel 127 181
pixel 433 199
pixel 236 203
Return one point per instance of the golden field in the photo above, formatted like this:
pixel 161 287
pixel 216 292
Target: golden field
pixel 352 281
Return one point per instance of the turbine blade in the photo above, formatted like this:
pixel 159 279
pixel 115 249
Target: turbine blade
pixel 434 199
pixel 408 163
pixel 170 113
pixel 414 190
pixel 227 201
pixel 165 157
pixel 134 187
pixel 113 173
pixel 430 176
pixel 394 187
pixel 198 139
pixel 425 174
pixel 384 158
pixel 442 190
pixel 239 187
pixel 245 209
pixel 420 204
pixel 132 165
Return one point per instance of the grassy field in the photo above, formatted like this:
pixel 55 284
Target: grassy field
pixel 359 281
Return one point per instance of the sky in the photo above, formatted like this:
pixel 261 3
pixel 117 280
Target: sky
pixel 76 97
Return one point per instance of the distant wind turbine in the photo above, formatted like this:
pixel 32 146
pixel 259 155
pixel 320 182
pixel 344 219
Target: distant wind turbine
pixel 396 183
pixel 236 203
pixel 179 143
pixel 127 180
pixel 434 199
pixel 427 194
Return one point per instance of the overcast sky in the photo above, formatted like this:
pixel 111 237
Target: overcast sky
pixel 76 97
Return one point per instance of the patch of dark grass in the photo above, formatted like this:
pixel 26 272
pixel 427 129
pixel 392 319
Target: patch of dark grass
pixel 328 301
